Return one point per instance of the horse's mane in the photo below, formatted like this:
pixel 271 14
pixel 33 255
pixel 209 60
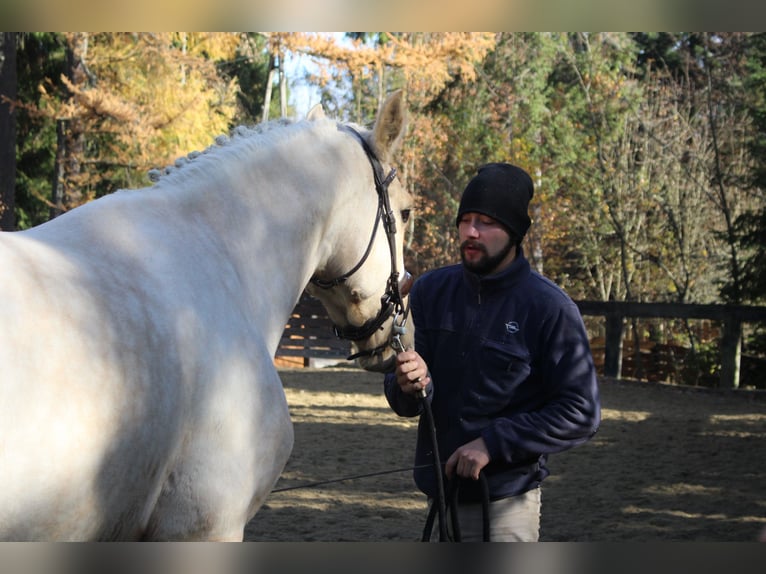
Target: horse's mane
pixel 256 135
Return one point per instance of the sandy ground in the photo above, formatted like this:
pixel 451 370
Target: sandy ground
pixel 668 464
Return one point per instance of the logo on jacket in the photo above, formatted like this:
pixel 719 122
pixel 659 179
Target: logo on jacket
pixel 511 327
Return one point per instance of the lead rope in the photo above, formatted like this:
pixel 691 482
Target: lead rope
pixel 452 506
pixel 440 504
pixel 454 487
pixel 440 497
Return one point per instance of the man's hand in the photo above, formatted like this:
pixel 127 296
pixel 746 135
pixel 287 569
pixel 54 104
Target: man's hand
pixel 468 460
pixel 411 372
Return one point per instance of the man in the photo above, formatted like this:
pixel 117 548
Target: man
pixel 504 358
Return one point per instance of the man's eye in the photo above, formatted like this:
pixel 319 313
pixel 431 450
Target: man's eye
pixel 405 215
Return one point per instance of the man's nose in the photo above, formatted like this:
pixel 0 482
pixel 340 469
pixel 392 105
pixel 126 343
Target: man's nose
pixel 471 227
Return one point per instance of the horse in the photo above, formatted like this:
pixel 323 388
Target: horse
pixel 139 397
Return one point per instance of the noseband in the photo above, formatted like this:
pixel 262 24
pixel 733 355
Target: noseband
pixel 392 302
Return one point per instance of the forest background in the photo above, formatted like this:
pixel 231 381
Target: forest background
pixel 647 149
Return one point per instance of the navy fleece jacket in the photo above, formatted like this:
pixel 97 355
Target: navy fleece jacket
pixel 509 361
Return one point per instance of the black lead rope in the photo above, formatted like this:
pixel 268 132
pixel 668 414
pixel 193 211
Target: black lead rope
pixel 441 501
pixel 346 478
pixel 444 502
pixel 452 507
pixel 440 504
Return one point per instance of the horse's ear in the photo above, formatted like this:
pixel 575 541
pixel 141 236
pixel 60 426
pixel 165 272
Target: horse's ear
pixel 315 113
pixel 389 126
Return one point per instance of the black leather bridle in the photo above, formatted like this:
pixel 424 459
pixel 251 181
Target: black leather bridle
pixel 392 301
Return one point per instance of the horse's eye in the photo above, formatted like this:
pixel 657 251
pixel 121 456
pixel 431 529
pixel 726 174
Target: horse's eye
pixel 405 215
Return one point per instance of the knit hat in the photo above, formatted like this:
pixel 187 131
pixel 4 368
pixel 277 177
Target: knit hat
pixel 501 191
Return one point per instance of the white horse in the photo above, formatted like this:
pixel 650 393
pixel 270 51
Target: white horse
pixel 138 396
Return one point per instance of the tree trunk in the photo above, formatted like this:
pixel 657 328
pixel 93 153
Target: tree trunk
pixel 269 86
pixel 282 84
pixel 8 88
pixel 58 185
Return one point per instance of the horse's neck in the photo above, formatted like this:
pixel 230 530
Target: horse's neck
pixel 272 214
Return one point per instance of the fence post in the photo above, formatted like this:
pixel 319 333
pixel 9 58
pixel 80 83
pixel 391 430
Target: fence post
pixel 731 352
pixel 613 345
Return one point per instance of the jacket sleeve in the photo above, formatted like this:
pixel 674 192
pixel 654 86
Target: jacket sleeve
pixel 571 411
pixel 401 403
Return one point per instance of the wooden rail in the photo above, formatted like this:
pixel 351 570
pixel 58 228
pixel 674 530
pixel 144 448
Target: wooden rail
pixel 309 334
pixel 732 317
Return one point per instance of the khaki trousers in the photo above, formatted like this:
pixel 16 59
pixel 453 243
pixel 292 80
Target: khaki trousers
pixel 513 519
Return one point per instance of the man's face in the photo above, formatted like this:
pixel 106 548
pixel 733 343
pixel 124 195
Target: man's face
pixel 485 245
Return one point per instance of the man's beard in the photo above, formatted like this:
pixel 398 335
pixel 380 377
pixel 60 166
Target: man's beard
pixel 487 263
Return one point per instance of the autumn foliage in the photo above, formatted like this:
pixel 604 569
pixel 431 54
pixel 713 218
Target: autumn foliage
pixel 638 143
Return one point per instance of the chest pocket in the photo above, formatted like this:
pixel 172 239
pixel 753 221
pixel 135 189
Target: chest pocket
pixel 502 369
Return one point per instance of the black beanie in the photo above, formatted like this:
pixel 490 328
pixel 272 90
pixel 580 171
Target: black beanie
pixel 501 191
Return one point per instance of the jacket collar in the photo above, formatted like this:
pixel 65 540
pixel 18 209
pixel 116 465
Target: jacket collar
pixel 512 275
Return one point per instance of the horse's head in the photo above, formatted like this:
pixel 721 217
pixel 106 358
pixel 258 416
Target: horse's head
pixel 363 283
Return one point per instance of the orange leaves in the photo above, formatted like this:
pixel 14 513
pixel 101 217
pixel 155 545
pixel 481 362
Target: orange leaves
pixel 426 60
pixel 142 99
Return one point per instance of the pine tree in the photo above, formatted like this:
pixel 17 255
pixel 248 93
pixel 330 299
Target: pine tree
pixel 751 225
pixel 105 108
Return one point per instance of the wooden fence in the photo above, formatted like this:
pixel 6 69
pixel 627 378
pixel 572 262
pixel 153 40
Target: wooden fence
pixel 730 317
pixel 309 334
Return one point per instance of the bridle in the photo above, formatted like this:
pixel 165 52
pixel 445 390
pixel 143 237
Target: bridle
pixel 392 301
